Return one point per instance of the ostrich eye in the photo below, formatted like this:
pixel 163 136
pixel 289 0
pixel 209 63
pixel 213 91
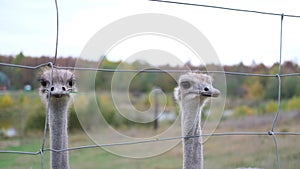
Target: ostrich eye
pixel 44 83
pixel 185 84
pixel 71 83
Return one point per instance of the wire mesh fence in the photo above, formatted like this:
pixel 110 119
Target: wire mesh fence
pixel 272 133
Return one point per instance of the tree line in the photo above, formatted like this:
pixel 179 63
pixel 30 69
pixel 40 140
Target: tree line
pixel 247 87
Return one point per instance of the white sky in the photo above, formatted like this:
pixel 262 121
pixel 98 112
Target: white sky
pixel 30 26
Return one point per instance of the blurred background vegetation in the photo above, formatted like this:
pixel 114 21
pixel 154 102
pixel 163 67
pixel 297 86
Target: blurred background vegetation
pixel 246 95
pixel 250 105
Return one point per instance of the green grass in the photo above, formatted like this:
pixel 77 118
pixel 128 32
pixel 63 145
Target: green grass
pixel 14 161
pixel 98 158
pixel 84 158
pixel 224 152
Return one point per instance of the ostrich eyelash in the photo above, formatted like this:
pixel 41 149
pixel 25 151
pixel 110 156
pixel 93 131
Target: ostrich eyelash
pixel 71 82
pixel 43 82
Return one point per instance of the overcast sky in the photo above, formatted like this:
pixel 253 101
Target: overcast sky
pixel 30 26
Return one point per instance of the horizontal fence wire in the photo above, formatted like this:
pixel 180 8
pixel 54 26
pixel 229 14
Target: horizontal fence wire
pixel 225 8
pixel 271 133
pixel 150 70
pixel 158 139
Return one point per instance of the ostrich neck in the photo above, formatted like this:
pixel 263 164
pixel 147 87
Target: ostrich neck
pixel 192 147
pixel 58 122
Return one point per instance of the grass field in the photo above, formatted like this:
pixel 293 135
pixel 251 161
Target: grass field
pixel 220 152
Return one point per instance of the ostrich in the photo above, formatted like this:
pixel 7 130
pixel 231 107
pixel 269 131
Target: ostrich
pixel 192 94
pixel 58 89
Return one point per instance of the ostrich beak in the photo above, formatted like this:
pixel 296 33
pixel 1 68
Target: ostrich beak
pixel 58 91
pixel 210 92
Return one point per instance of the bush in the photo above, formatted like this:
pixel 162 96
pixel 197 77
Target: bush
pixel 241 111
pixel 271 107
pixel 36 119
pixel 293 104
pixel 6 101
pixel 74 123
pixel 106 108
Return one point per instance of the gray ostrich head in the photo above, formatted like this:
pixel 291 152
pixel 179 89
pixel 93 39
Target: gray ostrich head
pixel 59 87
pixel 195 86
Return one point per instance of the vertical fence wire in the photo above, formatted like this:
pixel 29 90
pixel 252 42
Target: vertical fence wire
pixel 53 66
pixel 57 30
pixel 279 94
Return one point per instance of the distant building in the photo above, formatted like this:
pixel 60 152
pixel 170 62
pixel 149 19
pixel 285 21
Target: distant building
pixel 4 82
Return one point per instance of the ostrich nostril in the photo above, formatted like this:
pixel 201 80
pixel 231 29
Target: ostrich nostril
pixel 52 89
pixel 206 89
pixel 63 88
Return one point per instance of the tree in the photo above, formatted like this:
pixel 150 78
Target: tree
pixel 254 88
pixel 256 91
pixel 271 89
pixel 290 87
pixel 19 58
